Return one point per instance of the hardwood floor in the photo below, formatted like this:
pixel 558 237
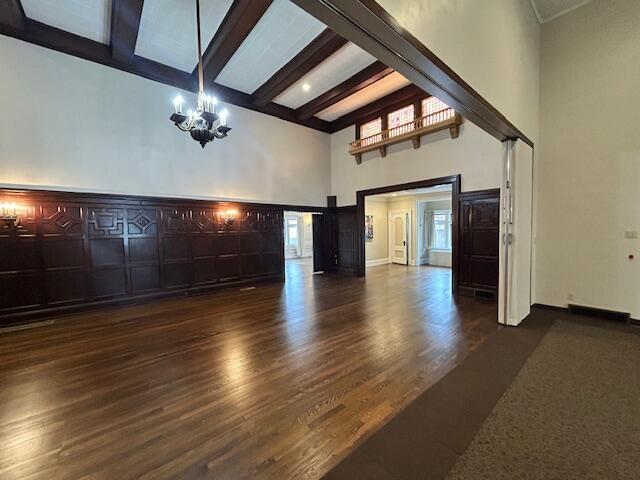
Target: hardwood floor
pixel 278 382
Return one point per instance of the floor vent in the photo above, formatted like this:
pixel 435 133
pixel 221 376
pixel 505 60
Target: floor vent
pixel 600 313
pixel 484 294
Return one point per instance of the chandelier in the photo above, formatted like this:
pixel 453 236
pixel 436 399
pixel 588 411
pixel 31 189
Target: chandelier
pixel 204 123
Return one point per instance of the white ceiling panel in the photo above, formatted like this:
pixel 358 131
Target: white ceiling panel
pixel 168 30
pixel 86 18
pixel 338 67
pixel 382 87
pixel 282 32
pixel 547 10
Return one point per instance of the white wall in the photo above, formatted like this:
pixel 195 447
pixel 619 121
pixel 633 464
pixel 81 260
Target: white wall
pixel 588 163
pixel 474 154
pixel 492 44
pixel 71 124
pixel 377 248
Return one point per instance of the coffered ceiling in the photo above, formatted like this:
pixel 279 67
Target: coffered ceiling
pixel 266 55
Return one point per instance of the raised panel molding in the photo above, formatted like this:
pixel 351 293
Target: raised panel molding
pixel 75 250
pixel 104 222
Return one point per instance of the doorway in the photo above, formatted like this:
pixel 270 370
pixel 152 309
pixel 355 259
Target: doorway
pixel 421 222
pixel 303 235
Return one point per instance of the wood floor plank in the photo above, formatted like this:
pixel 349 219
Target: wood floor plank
pixel 278 382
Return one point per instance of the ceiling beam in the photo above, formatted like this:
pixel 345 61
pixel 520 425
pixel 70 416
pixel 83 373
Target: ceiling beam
pixel 12 14
pixel 368 25
pixel 241 99
pixel 242 17
pixel 397 99
pixel 65 42
pixel 360 80
pixel 310 57
pixel 125 22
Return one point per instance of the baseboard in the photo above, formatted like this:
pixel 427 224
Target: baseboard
pixel 600 313
pixel 544 306
pixel 591 312
pixel 379 261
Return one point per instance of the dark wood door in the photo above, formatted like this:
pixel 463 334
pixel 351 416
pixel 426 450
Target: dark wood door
pixel 318 242
pixel 479 241
pixel 341 240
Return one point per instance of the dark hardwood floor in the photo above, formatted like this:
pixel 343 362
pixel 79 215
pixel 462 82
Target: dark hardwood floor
pixel 278 382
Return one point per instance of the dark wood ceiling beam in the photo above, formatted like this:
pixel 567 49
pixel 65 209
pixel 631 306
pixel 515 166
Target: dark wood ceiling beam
pixel 357 82
pixel 241 99
pixel 368 25
pixel 12 14
pixel 125 23
pixel 310 57
pixel 65 42
pixel 397 99
pixel 242 17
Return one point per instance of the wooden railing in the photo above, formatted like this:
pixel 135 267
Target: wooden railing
pixel 434 122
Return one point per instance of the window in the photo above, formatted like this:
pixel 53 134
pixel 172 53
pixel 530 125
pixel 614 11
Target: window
pixel 436 111
pixel 441 230
pixel 291 232
pixel 370 131
pixel 401 121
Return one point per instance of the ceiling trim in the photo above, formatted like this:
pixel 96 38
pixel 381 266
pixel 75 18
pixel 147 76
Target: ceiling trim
pixel 87 49
pixel 309 57
pixel 125 23
pixel 389 102
pixel 368 25
pixel 242 17
pixel 12 14
pixel 360 80
pixel 542 20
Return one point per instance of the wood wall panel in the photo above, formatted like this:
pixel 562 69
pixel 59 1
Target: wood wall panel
pixel 479 241
pixel 73 250
pixel 347 245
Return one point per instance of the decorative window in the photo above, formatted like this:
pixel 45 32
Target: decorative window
pixel 435 110
pixel 401 121
pixel 370 131
pixel 440 230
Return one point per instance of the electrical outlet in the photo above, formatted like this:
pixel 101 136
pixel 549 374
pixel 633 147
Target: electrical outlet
pixel 569 296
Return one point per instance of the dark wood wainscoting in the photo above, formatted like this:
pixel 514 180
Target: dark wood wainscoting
pixel 74 250
pixel 479 213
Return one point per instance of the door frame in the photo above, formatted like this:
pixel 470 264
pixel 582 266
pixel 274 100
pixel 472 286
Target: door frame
pixel 407 228
pixel 454 180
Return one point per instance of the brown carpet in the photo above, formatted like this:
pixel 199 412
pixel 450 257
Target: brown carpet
pixel 573 411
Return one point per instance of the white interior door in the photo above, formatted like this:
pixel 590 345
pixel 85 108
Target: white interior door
pixel 398 238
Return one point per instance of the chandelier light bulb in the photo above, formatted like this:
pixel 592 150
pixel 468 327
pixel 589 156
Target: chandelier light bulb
pixel 177 103
pixel 223 117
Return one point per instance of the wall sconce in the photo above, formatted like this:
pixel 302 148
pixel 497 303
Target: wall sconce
pixel 229 217
pixel 9 215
